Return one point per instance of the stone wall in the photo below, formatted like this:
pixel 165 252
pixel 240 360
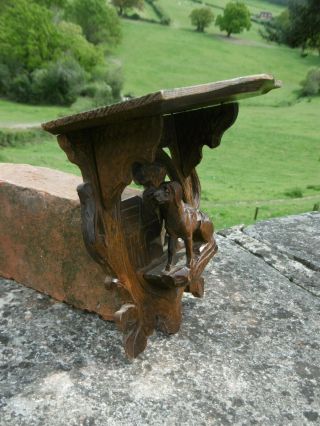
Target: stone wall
pixel 247 353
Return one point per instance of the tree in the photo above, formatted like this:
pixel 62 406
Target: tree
pixel 28 37
pixel 201 18
pixel 73 42
pixel 297 26
pixel 278 29
pixel 235 18
pixel 51 3
pixel 123 5
pixel 315 44
pixel 304 17
pixel 99 22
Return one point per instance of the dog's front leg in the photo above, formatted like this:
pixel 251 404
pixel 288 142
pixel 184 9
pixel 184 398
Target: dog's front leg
pixel 172 247
pixel 189 251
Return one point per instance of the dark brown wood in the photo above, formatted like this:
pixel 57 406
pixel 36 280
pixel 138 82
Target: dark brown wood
pixel 155 246
pixel 167 102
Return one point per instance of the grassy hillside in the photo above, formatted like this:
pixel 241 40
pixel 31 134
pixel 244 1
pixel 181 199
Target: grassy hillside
pixel 270 158
pixel 13 114
pixel 155 56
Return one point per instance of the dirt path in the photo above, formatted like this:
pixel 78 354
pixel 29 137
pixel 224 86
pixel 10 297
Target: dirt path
pixel 245 42
pixel 20 126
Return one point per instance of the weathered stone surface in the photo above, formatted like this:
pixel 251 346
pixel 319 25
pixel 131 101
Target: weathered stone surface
pixel 40 238
pixel 298 236
pixel 287 245
pixel 248 353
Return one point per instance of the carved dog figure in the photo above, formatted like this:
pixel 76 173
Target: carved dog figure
pixel 181 221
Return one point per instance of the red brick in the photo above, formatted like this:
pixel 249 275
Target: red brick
pixel 41 243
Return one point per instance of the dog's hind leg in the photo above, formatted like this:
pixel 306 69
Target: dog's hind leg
pixel 172 247
pixel 206 230
pixel 189 250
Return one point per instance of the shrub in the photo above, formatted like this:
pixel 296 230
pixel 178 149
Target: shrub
pixel 73 41
pixel 134 16
pixel 60 83
pixel 99 91
pixel 294 193
pixel 20 88
pixel 112 76
pixel 5 78
pixel 124 5
pixel 161 14
pixel 102 97
pixel 82 104
pixel 311 85
pixel 314 187
pixel 10 137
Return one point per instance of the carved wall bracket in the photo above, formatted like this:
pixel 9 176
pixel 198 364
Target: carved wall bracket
pixel 153 247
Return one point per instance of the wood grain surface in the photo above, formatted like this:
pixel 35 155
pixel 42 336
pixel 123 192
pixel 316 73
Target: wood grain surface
pixel 167 102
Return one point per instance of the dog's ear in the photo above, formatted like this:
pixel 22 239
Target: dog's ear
pixel 177 192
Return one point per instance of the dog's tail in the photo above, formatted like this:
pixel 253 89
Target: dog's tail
pixel 196 189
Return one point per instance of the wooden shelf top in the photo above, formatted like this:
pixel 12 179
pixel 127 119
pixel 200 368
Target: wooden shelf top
pixel 167 102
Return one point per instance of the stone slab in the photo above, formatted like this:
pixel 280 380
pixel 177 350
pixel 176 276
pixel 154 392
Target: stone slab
pixel 248 353
pixel 41 243
pixel 291 245
pixel 301 239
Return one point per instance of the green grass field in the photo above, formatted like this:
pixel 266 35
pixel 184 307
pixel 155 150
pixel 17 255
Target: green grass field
pixel 270 159
pixel 13 114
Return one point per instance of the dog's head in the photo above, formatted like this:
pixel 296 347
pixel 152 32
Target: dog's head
pixel 168 193
pixel 149 175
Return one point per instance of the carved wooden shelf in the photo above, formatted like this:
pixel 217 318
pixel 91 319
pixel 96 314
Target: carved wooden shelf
pixel 155 246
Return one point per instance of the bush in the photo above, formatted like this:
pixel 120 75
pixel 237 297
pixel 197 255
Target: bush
pixel 99 91
pixel 60 83
pixel 103 97
pixel 134 16
pixel 294 193
pixel 73 41
pixel 112 76
pixel 20 88
pixel 10 137
pixel 82 104
pixel 161 14
pixel 311 85
pixel 5 78
pixel 124 5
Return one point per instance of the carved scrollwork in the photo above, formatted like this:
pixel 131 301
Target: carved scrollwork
pixel 134 336
pixel 136 238
pixel 91 223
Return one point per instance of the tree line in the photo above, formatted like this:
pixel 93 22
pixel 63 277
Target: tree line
pixel 235 18
pixel 57 51
pixel 297 26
